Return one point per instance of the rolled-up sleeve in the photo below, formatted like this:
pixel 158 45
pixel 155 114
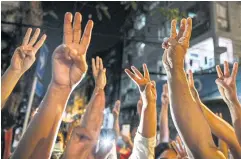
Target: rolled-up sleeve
pixel 144 148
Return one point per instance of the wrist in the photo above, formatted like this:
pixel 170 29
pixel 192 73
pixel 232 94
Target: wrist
pixel 14 72
pixel 59 87
pixel 233 103
pixel 97 87
pixel 164 105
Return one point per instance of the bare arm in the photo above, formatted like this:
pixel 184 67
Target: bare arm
pixel 145 139
pixel 37 139
pixel 84 138
pixel 69 67
pixel 148 112
pixel 186 114
pixel 223 146
pixel 116 113
pixel 22 60
pixel 164 129
pixel 228 90
pixel 218 126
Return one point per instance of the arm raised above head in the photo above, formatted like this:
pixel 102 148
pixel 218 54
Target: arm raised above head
pixel 226 83
pixel 85 136
pixel 23 58
pixel 69 68
pixel 186 114
pixel 145 139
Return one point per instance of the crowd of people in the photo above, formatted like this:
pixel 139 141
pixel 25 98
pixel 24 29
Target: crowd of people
pixel 86 139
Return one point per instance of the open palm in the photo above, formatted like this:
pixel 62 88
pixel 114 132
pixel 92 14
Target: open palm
pixel 69 59
pixel 24 56
pixel 146 87
pixel 227 83
pixel 138 78
pixel 176 45
pixel 99 72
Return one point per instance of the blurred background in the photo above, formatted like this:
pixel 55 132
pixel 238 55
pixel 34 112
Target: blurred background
pixel 124 34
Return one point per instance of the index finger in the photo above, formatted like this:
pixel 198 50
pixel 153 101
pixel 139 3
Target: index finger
pixel 173 33
pixel 219 71
pixel 131 75
pixel 188 29
pixel 68 31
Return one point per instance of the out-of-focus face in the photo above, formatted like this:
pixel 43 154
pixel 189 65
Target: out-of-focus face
pixel 169 154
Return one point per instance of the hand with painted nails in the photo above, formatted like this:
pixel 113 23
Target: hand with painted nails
pixel 24 56
pixel 177 44
pixel 165 96
pixel 69 59
pixel 99 73
pixel 142 83
pixel 227 83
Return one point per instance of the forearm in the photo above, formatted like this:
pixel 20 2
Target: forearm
pixel 116 127
pixel 93 116
pixel 184 108
pixel 164 130
pixel 42 130
pixel 9 81
pixel 235 110
pixel 147 126
pixel 221 128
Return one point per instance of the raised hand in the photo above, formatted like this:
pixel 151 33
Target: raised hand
pixel 164 96
pixel 116 109
pixel 99 72
pixel 138 78
pixel 179 148
pixel 142 83
pixel 177 44
pixel 227 83
pixel 69 59
pixel 24 55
